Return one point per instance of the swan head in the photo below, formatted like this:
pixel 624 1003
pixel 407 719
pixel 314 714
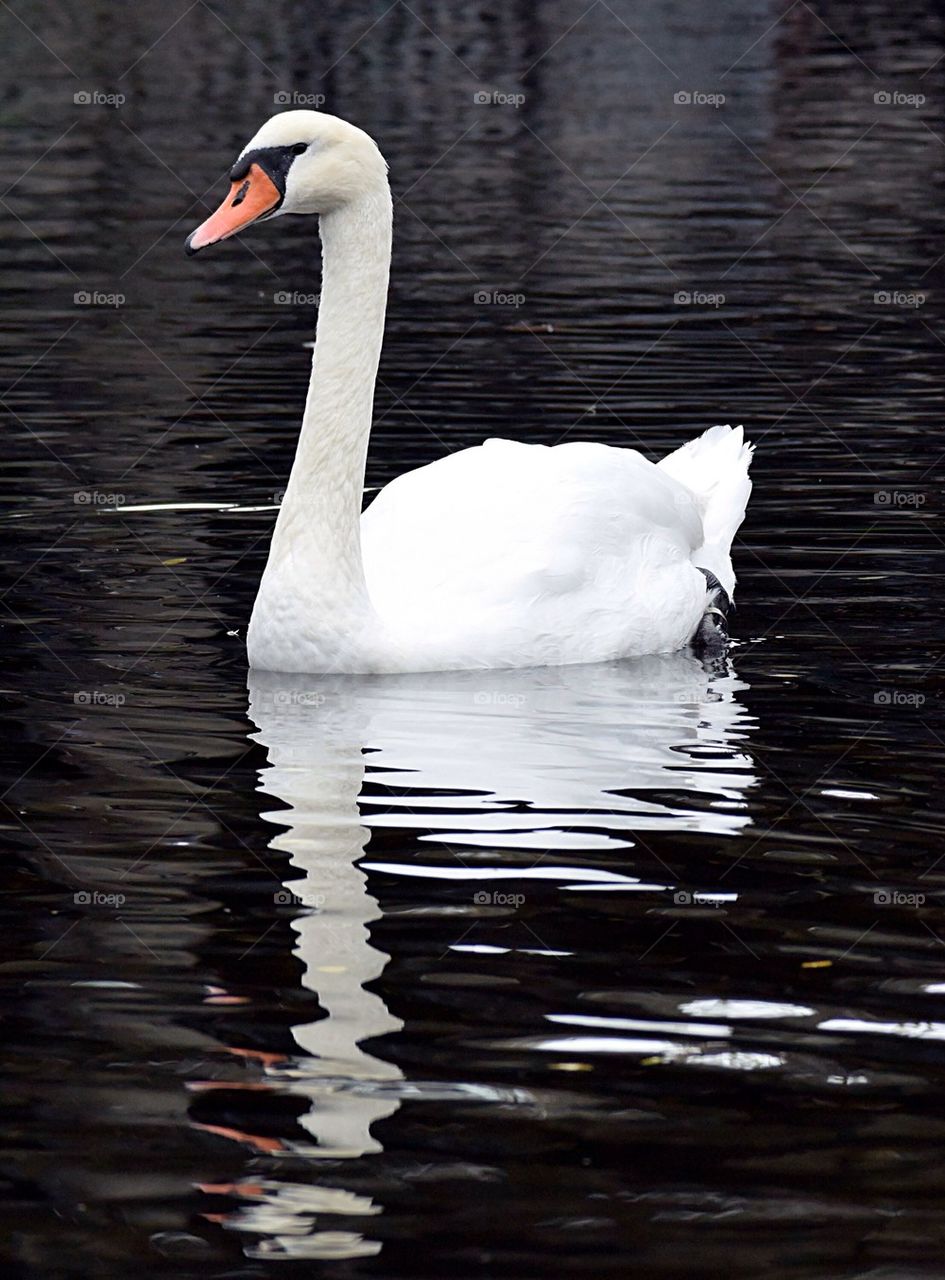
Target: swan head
pixel 298 162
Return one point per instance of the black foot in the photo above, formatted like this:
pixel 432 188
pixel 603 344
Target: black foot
pixel 720 597
pixel 710 643
pixel 712 633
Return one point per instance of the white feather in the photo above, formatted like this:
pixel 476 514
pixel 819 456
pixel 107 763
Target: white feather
pixel 503 555
pixel 513 554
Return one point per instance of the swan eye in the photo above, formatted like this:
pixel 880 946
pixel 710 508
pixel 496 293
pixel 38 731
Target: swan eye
pixel 299 148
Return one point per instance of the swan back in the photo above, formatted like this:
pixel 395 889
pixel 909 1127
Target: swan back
pixel 714 468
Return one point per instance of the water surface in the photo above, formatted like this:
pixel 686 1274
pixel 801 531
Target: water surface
pixel 550 973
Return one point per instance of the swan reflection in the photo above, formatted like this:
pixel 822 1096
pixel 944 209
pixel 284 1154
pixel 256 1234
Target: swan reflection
pixel 455 751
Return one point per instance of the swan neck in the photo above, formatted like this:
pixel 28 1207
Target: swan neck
pixel 319 522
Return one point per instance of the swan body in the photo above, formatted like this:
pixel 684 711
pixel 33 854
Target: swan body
pixel 502 555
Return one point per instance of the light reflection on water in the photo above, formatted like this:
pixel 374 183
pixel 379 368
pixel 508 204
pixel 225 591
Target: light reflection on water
pixel 467 745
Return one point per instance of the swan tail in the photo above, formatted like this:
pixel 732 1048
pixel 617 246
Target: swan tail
pixel 715 468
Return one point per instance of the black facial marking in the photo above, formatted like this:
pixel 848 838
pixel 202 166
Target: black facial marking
pixel 274 161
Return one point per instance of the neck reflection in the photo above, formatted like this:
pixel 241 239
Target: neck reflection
pixel 513 761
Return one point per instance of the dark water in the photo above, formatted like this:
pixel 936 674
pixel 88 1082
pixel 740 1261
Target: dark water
pixel 633 970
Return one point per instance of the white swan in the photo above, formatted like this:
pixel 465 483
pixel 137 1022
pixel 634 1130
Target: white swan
pixel 503 555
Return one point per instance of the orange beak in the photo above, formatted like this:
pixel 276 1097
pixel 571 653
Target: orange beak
pixel 249 199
